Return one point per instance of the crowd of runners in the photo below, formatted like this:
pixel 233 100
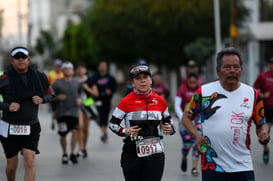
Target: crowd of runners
pixel 214 118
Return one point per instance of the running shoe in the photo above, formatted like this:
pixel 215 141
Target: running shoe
pixel 65 159
pixel 73 158
pixel 104 138
pixel 82 154
pixel 53 124
pixel 184 164
pixel 194 172
pixel 266 157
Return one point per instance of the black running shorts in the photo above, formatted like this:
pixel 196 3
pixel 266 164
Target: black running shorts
pixel 14 143
pixel 66 124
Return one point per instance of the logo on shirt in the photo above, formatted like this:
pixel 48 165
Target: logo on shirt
pixel 207 104
pixel 153 102
pixel 245 103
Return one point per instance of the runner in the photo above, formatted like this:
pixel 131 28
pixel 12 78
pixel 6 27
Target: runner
pixel 264 83
pixel 68 100
pixel 106 84
pixel 184 94
pixel 227 108
pixel 146 118
pixel 23 89
pixel 88 109
pixel 53 75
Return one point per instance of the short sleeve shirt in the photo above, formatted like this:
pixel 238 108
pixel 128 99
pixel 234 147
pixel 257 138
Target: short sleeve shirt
pixel 226 119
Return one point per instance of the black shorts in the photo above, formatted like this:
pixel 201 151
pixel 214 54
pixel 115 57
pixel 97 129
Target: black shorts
pixel 104 114
pixel 14 143
pixel 66 124
pixel 269 114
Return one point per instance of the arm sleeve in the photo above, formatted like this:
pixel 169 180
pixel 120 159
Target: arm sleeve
pixel 166 118
pixel 114 124
pixel 177 107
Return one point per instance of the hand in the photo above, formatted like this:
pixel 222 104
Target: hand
pixel 85 86
pixel 61 97
pixel 108 92
pixel 78 101
pixel 266 95
pixel 37 100
pixel 167 129
pixel 132 131
pixel 199 141
pixel 14 107
pixel 263 134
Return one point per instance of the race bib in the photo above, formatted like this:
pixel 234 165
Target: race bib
pixel 62 127
pixel 149 146
pixel 19 129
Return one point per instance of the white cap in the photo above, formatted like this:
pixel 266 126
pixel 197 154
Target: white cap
pixel 19 50
pixel 67 65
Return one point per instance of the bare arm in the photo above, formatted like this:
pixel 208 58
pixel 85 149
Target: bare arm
pixel 262 132
pixel 187 122
pixel 92 90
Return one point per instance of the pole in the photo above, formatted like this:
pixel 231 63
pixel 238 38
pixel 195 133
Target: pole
pixel 217 32
pixel 233 21
pixel 217 26
pixel 19 21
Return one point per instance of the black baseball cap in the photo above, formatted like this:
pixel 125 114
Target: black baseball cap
pixel 136 70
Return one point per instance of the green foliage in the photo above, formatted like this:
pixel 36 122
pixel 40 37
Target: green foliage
pixel 46 46
pixel 157 30
pixel 200 50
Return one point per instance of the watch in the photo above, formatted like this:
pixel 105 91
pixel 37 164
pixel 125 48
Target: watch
pixel 124 131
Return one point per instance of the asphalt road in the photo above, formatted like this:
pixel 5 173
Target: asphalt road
pixel 103 164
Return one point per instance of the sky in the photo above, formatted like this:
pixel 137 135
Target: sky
pixel 10 17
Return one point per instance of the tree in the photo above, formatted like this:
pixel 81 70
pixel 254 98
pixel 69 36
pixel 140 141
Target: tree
pixel 156 30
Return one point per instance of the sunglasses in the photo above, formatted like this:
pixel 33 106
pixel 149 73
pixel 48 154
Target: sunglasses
pixel 23 56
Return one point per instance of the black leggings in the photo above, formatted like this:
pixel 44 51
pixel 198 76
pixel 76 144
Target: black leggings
pixel 142 169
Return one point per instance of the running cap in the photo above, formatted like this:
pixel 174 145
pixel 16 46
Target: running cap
pixel 58 63
pixel 67 65
pixel 192 63
pixel 136 70
pixel 16 50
